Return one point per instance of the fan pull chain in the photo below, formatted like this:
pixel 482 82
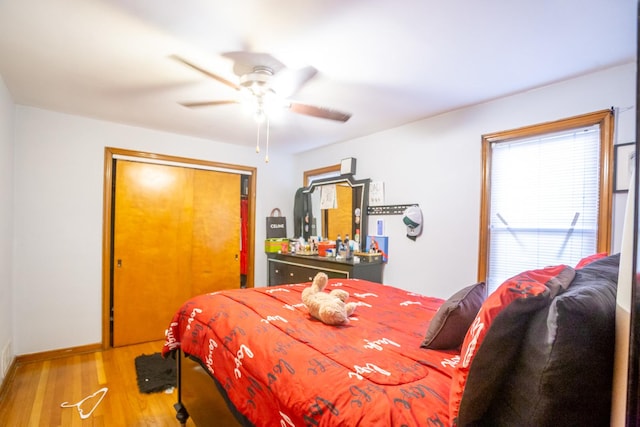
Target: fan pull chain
pixel 258 139
pixel 266 157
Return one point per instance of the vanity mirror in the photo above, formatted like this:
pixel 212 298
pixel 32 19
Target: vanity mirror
pixel 339 206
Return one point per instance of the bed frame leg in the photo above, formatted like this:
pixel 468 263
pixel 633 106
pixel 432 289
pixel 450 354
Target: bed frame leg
pixel 181 412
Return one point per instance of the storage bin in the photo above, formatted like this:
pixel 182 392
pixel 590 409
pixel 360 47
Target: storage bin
pixel 323 246
pixel 276 245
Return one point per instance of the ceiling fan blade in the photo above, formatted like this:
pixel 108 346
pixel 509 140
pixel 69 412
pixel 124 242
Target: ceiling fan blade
pixel 287 82
pixel 208 103
pixel 305 74
pixel 324 113
pixel 206 72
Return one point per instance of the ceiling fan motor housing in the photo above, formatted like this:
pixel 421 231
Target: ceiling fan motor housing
pixel 258 81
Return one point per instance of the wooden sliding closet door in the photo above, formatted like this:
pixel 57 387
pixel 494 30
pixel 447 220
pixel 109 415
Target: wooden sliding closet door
pixel 176 234
pixel 215 250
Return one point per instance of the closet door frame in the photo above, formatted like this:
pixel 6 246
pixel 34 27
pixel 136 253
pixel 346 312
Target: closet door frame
pixel 111 154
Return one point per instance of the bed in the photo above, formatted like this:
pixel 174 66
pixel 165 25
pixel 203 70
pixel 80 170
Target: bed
pixel 515 357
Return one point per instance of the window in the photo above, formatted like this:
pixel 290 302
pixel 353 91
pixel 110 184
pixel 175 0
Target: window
pixel 546 195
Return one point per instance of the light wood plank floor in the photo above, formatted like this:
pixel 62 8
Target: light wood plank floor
pixel 33 397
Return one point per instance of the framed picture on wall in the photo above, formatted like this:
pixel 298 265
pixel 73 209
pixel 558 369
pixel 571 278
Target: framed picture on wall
pixel 378 244
pixel 624 162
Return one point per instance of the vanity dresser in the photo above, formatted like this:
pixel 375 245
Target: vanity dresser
pixel 338 207
pixel 289 268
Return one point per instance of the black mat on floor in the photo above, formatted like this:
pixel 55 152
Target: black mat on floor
pixel 154 373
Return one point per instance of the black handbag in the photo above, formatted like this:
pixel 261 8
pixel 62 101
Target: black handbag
pixel 276 225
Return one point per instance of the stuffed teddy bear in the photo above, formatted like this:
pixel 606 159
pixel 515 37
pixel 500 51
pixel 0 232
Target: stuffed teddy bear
pixel 329 308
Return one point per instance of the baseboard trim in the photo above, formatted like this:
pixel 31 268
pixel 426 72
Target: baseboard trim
pixel 54 354
pixel 8 379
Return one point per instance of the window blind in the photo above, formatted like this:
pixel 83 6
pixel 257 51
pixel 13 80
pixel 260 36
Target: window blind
pixel 544 201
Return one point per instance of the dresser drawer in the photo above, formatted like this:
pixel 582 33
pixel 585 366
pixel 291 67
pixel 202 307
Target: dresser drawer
pixel 285 269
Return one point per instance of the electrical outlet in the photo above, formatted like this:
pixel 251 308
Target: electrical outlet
pixel 6 359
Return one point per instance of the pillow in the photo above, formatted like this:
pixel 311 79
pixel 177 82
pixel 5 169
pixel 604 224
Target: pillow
pixel 589 259
pixel 449 326
pixel 493 339
pixel 564 373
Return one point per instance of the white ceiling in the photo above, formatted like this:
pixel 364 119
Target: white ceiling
pixel 385 62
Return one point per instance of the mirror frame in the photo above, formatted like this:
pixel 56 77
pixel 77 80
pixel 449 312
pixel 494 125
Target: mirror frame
pixel 363 184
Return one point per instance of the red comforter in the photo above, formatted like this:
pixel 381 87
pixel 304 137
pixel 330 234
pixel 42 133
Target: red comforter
pixel 280 367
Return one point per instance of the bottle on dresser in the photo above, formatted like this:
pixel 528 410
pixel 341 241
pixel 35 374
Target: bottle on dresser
pixel 347 247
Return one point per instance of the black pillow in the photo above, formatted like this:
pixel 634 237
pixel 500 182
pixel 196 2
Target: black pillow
pixel 564 372
pixel 449 326
pixel 493 342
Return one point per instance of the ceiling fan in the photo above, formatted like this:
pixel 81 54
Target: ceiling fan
pixel 265 83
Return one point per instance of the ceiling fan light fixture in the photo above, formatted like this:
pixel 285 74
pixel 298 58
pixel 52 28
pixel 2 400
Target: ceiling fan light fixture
pixel 258 82
pixel 259 116
pixel 273 105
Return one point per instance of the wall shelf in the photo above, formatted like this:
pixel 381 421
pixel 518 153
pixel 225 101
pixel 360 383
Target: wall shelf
pixel 388 209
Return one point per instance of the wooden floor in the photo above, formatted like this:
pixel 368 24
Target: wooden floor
pixel 33 396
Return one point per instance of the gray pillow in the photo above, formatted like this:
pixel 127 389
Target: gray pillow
pixel 449 326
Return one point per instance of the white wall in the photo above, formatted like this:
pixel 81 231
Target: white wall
pixel 58 177
pixel 436 163
pixel 59 167
pixel 6 224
